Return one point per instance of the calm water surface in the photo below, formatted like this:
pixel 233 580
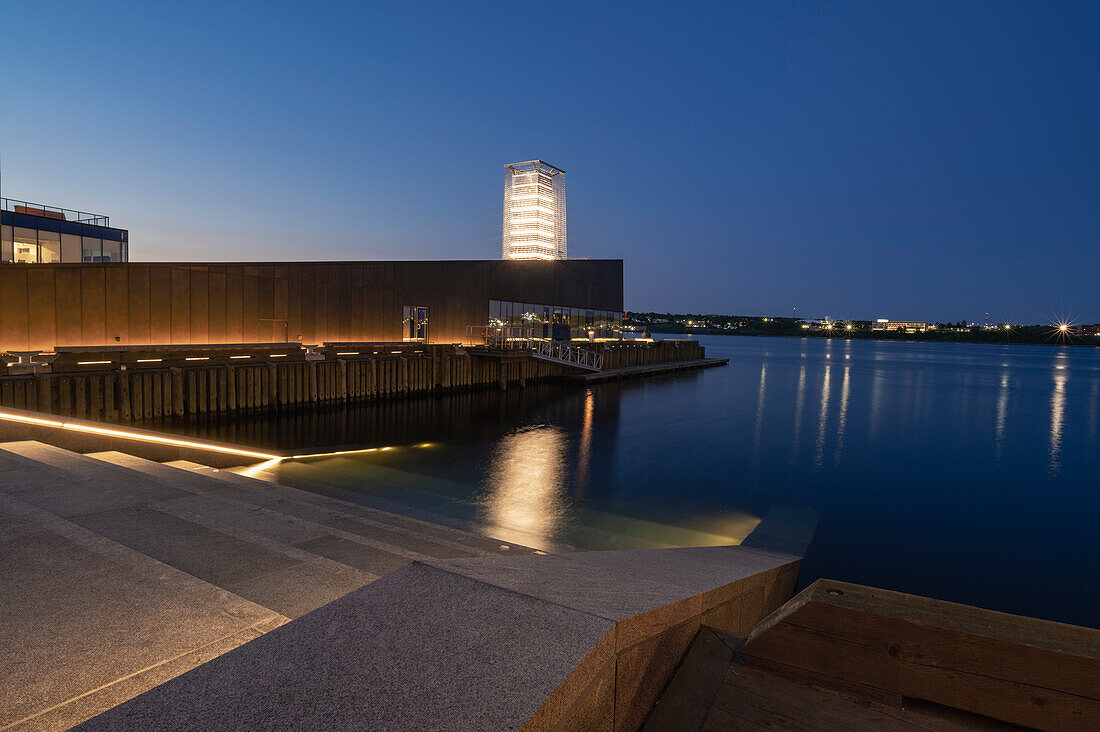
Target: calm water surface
pixel 962 472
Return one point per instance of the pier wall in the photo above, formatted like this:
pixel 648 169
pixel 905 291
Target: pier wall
pixel 136 395
pixel 633 353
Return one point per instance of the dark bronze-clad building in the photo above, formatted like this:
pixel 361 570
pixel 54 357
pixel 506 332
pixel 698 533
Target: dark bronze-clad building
pixel 48 305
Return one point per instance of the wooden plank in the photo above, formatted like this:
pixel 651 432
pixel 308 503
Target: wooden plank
pixel 772 702
pixel 80 397
pixel 43 383
pixel 1019 670
pixel 271 376
pixel 122 389
pixel 223 391
pixel 110 397
pixel 137 407
pixel 176 377
pixel 231 388
pixel 31 387
pixel 95 397
pixel 211 377
pixel 65 396
pixel 192 392
pixel 19 393
pixel 157 401
pixel 147 395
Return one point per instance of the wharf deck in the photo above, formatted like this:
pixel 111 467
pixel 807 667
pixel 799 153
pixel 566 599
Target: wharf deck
pixel 713 689
pixel 656 369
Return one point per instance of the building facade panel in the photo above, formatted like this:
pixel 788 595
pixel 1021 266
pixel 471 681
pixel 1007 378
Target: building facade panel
pixel 154 303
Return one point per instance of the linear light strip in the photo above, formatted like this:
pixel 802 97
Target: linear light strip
pixel 126 434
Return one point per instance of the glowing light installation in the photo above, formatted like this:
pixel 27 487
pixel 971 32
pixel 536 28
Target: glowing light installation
pixel 534 211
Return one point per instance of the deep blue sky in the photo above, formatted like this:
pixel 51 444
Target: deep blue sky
pixel 905 160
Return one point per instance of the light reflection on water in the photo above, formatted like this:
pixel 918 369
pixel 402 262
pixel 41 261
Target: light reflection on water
pixel 524 497
pixel 964 472
pixel 1057 416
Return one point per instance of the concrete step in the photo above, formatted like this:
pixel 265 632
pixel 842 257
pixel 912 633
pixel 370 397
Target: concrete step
pixel 345 506
pixel 155 518
pixel 319 527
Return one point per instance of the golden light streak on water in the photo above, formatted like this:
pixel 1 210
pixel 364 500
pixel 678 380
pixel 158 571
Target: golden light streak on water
pixel 524 499
pixel 584 449
pixel 253 470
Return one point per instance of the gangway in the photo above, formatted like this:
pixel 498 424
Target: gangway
pixel 514 338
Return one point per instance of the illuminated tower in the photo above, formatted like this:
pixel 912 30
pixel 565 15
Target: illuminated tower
pixel 534 211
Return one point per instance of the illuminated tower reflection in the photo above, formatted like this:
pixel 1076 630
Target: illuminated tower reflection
pixel 584 449
pixel 524 497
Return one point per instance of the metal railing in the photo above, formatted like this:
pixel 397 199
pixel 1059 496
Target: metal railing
pixel 567 354
pixel 502 336
pixel 53 212
pixel 522 337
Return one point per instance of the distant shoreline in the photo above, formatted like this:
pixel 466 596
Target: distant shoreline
pixel 993 338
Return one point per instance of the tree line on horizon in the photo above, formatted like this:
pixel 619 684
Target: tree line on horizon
pixel 961 331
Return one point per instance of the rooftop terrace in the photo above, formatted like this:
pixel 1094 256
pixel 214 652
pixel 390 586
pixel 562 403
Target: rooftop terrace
pixel 53 212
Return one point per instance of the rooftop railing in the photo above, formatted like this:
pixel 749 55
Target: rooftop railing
pixel 53 212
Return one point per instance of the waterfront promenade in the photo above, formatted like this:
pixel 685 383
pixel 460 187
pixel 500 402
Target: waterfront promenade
pixel 145 570
pixel 176 596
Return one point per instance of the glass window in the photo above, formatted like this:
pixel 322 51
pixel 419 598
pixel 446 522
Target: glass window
pixel 7 251
pixel 26 245
pixel 70 248
pixel 414 324
pixel 112 251
pixel 422 324
pixel 93 249
pixel 49 246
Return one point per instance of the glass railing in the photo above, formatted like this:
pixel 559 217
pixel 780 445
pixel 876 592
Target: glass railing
pixel 53 212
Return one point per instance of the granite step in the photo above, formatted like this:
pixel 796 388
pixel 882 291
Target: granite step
pixel 264 509
pixel 346 506
pixel 153 517
pixel 89 623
